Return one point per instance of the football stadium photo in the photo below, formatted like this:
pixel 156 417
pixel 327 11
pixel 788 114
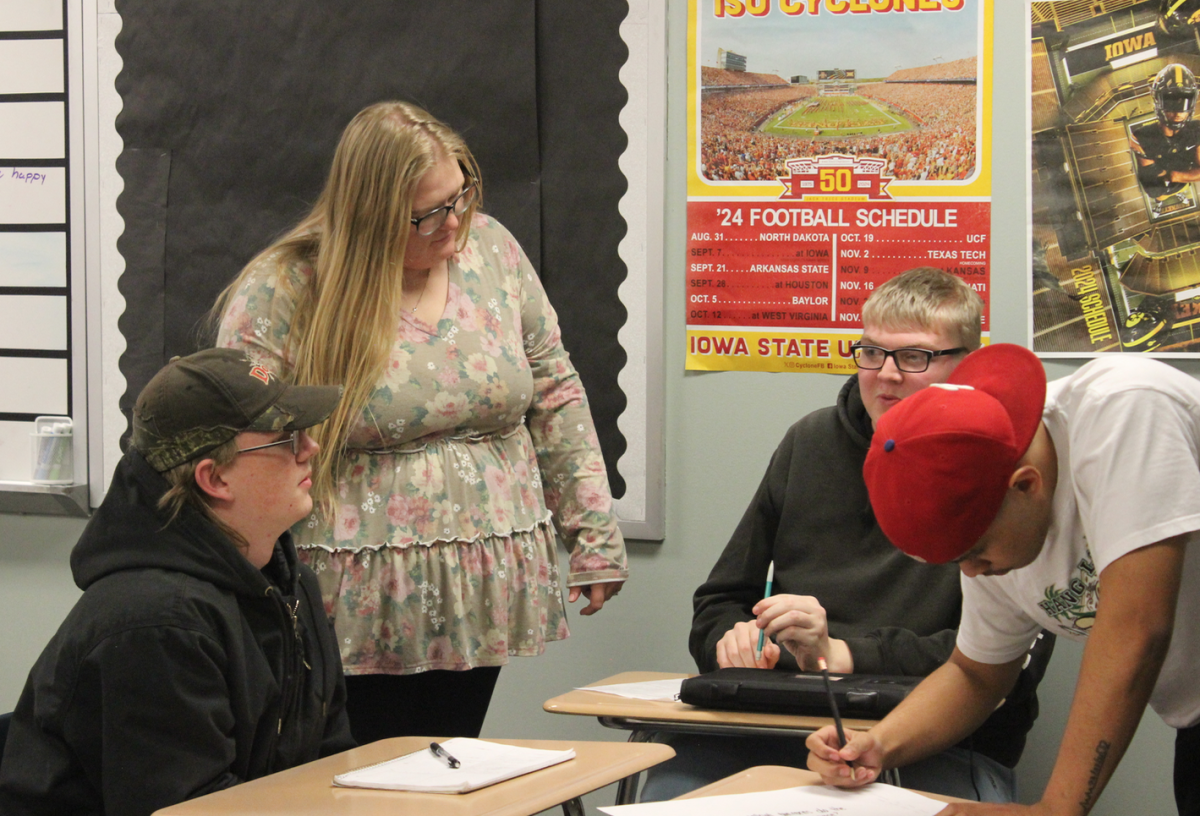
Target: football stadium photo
pixel 905 90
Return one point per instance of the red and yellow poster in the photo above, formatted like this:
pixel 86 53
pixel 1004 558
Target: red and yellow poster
pixel 832 144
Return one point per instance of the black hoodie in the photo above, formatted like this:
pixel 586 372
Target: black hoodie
pixel 813 517
pixel 182 670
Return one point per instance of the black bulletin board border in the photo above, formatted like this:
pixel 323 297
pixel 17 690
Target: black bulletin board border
pixel 231 112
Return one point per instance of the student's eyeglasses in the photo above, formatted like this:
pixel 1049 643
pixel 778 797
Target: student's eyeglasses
pixel 432 221
pixel 908 360
pixel 292 439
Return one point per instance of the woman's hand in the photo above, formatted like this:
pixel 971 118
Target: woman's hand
pixel 597 594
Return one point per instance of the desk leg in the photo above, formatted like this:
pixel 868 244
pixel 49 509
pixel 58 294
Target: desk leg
pixel 573 808
pixel 627 788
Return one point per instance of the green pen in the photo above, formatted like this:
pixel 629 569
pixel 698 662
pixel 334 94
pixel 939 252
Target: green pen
pixel 762 633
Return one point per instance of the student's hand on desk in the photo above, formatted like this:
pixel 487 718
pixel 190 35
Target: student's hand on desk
pixel 736 648
pixel 799 623
pixel 597 594
pixel 826 759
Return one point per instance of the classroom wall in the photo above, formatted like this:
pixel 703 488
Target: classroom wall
pixel 720 431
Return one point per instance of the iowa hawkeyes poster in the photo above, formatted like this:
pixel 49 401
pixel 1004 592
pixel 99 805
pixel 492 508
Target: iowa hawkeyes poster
pixel 1115 160
pixel 832 144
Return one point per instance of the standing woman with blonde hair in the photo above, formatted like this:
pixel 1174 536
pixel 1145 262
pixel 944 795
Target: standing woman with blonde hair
pixel 463 439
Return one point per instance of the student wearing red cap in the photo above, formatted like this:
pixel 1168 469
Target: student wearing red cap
pixel 1068 508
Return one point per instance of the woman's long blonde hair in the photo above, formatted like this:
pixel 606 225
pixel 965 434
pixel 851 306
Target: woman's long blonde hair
pixel 355 238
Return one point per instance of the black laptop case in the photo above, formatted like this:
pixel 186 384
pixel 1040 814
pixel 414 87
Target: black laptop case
pixel 864 696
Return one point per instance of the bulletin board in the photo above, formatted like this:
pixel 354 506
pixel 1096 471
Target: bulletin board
pixel 226 148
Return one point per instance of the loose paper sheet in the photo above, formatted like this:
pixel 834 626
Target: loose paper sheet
pixel 31 66
pixel 33 259
pixel 33 321
pixel 650 690
pixel 483 763
pixel 815 800
pixel 33 385
pixel 33 195
pixel 31 15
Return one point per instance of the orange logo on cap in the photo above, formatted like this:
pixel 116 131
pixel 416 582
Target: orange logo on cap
pixel 261 373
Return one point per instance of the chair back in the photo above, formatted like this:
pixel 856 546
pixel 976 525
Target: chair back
pixel 5 719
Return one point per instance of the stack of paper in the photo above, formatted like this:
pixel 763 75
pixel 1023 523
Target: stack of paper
pixel 816 800
pixel 646 690
pixel 482 763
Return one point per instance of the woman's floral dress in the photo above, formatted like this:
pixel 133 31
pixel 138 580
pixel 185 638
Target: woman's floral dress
pixel 476 442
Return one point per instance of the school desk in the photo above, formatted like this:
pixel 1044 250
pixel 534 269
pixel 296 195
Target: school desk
pixel 308 790
pixel 645 717
pixel 773 777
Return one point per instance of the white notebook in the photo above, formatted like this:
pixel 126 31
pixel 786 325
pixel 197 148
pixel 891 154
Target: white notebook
pixel 483 763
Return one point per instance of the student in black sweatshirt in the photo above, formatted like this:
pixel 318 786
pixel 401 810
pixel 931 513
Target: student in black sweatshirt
pixel 200 655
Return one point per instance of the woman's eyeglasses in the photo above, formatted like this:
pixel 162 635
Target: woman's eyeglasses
pixel 432 221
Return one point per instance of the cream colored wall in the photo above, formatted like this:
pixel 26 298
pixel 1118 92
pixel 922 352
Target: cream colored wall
pixel 720 431
pixel 36 592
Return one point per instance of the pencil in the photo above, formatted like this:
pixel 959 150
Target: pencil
pixel 837 718
pixel 762 633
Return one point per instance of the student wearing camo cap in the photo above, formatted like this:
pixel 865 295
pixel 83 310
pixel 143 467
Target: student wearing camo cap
pixel 199 655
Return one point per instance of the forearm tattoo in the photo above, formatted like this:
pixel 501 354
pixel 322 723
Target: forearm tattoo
pixel 1089 797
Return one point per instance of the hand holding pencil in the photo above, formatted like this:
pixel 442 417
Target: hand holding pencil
pixel 848 759
pixel 746 644
pixel 762 633
pixel 798 624
pixel 738 648
pixel 842 763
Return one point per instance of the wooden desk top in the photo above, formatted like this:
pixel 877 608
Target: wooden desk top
pixel 308 790
pixel 610 706
pixel 773 777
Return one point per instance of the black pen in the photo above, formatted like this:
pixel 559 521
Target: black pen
pixel 444 755
pixel 837 718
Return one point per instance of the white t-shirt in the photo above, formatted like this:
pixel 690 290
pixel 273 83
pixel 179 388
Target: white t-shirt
pixel 1127 434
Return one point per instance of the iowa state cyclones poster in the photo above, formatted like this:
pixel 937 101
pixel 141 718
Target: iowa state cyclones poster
pixel 832 144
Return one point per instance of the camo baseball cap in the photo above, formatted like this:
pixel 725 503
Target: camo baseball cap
pixel 200 402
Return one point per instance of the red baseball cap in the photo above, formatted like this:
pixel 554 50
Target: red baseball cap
pixel 940 461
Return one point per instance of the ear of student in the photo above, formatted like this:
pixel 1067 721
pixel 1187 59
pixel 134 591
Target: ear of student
pixel 1026 479
pixel 208 478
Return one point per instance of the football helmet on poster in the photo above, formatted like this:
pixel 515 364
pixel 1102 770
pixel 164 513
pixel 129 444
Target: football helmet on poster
pixel 1178 17
pixel 1174 91
pixel 1147 325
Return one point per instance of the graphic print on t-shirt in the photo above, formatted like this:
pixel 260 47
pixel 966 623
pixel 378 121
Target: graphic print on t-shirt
pixel 1074 607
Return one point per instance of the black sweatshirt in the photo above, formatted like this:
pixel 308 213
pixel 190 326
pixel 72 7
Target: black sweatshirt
pixel 812 516
pixel 182 670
